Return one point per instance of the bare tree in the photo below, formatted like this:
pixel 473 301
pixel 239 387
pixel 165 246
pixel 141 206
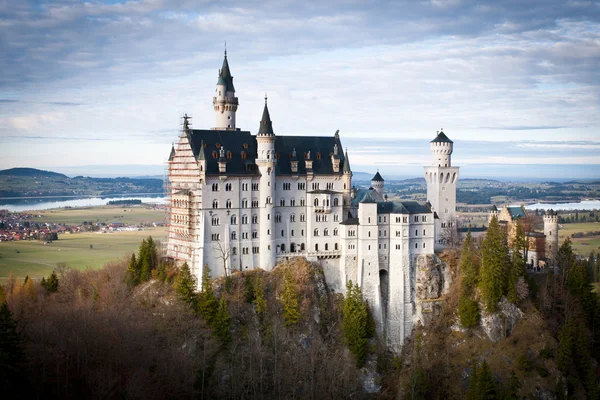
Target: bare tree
pixel 223 253
pixel 450 235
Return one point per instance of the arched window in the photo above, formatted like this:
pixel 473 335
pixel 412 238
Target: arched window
pixel 234 251
pixel 228 203
pixel 283 247
pixel 335 246
pixel 293 218
pixel 316 202
pixel 335 202
pixel 282 202
pixel 335 231
pixel 317 247
pixel 233 220
pixel 255 219
pixel 301 246
pixel 233 235
pixel 268 199
pixel 326 232
pixel 326 246
pixel 316 232
pixel 215 204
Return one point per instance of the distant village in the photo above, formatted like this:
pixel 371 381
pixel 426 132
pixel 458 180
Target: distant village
pixel 16 226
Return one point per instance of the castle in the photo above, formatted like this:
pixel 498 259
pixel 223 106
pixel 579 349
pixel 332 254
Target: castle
pixel 541 247
pixel 240 201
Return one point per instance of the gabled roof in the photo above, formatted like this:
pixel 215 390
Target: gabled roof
pixel 368 197
pixel 402 207
pixel 377 178
pixel 441 137
pixel 361 193
pixel 516 212
pixel 243 144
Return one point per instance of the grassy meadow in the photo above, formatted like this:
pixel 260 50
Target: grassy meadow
pixel 584 245
pixel 127 215
pixel 36 259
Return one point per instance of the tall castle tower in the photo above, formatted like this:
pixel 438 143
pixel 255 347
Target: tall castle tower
pixel 377 183
pixel 551 232
pixel 224 102
pixel 441 178
pixel 266 162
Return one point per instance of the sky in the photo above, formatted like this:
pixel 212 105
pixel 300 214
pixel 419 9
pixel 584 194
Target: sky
pixel 99 87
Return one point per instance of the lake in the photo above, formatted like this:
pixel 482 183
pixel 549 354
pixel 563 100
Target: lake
pixel 18 204
pixel 583 205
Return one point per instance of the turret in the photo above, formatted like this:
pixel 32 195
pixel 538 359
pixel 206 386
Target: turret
pixel 224 102
pixel 551 232
pixel 441 150
pixel 377 183
pixel 266 162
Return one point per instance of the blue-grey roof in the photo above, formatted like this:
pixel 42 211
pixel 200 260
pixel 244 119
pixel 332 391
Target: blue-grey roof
pixel 361 193
pixel 377 178
pixel 204 145
pixel 350 221
pixel 266 126
pixel 441 137
pixel 402 207
pixel 225 77
pixel 517 212
pixel 369 198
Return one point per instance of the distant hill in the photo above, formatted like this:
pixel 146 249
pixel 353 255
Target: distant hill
pixel 32 172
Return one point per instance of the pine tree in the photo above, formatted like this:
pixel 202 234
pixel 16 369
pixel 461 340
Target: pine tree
pixel 513 387
pixel 132 275
pixel 260 303
pixel 11 353
pixel 472 391
pixel 468 308
pixel 565 258
pixel 354 323
pixel 289 298
pixel 494 256
pixel 207 302
pixel 486 387
pixel 517 270
pixel 185 285
pixel 468 311
pixel 222 323
pixel 468 268
pixel 52 283
pixel 564 352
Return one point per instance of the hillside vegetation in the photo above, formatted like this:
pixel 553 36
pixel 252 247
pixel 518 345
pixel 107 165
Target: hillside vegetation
pixel 136 329
pixel 30 182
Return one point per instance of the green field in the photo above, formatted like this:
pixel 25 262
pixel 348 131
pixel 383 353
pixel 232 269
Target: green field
pixel 128 215
pixel 585 245
pixel 36 259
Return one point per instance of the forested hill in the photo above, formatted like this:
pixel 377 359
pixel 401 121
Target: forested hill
pixel 30 182
pixel 30 172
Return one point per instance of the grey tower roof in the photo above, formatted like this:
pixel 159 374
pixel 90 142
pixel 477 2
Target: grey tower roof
pixel 172 155
pixel 377 178
pixel 225 77
pixel 346 167
pixel 442 138
pixel 266 126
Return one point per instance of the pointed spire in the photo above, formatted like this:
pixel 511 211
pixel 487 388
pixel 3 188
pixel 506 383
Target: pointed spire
pixel 225 77
pixel 377 177
pixel 266 126
pixel 346 167
pixel 201 156
pixel 172 155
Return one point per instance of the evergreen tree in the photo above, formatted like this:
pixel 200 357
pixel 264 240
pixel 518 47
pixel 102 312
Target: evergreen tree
pixel 132 275
pixel 565 258
pixel 486 388
pixel 468 308
pixel 494 256
pixel 517 270
pixel 222 323
pixel 207 302
pixel 52 283
pixel 289 298
pixel 185 285
pixel 354 323
pixel 260 303
pixel 468 311
pixel 472 391
pixel 11 353
pixel 468 268
pixel 513 387
pixel 564 352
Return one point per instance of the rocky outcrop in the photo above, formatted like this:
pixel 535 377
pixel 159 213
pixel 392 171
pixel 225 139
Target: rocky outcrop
pixel 432 280
pixel 500 324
